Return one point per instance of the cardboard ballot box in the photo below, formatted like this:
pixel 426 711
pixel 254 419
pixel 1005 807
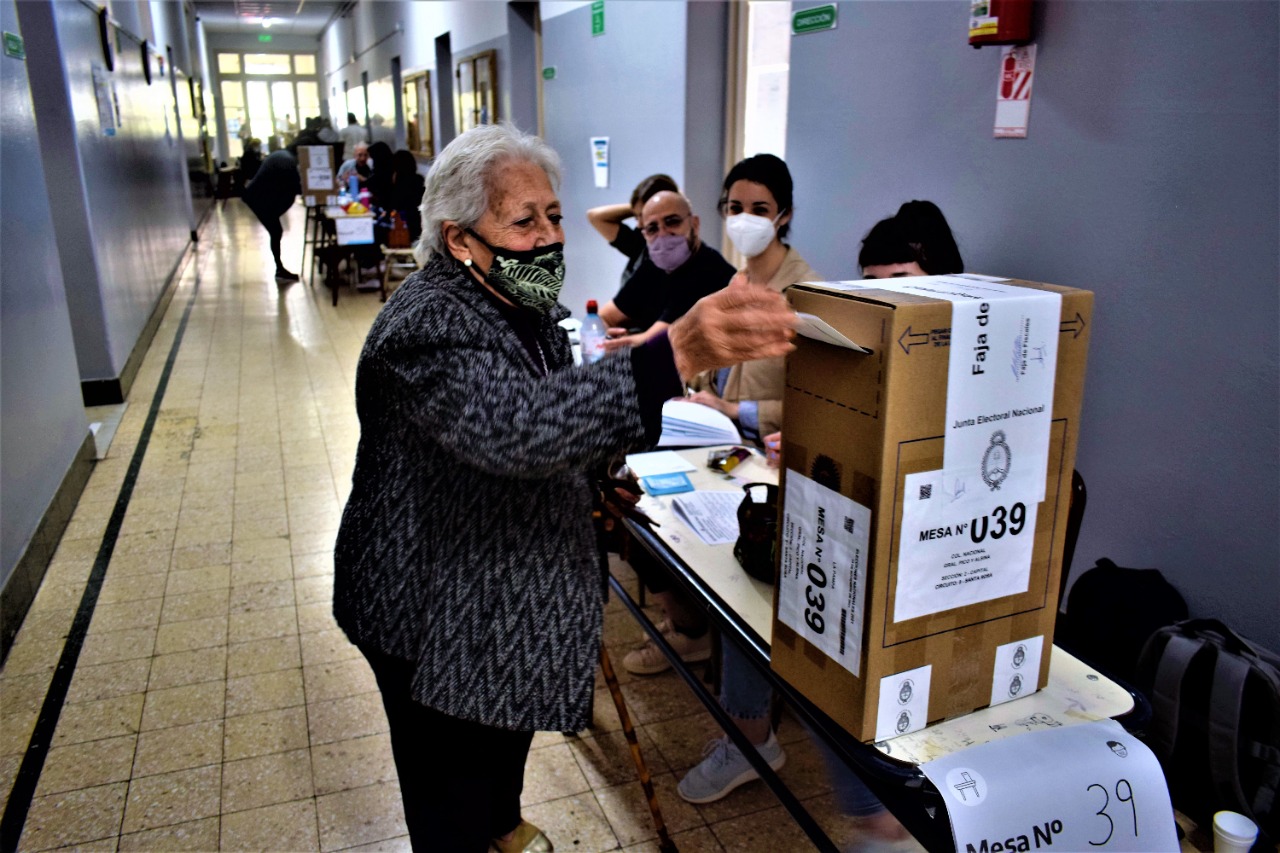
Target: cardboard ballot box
pixel 930 429
pixel 318 169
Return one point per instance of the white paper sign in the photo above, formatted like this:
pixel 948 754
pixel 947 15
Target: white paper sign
pixel 319 156
pixel 319 177
pixel 904 702
pixel 106 100
pixel 658 462
pixel 600 160
pixel 961 544
pixel 823 578
pixel 711 515
pixel 1017 669
pixel 1003 360
pixel 1091 786
pixel 355 230
pixel 1013 91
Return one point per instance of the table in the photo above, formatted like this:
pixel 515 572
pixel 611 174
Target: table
pixel 330 245
pixel 743 610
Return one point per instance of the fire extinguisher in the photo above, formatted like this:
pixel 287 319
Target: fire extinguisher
pixel 999 22
pixel 1008 74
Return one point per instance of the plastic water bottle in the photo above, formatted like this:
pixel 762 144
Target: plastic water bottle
pixel 592 335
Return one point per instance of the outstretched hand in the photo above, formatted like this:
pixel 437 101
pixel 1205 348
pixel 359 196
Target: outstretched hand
pixel 741 322
pixel 619 339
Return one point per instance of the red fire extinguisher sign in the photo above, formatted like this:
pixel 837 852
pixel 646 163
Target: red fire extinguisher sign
pixel 1013 93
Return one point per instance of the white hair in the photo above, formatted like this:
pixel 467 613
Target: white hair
pixel 458 183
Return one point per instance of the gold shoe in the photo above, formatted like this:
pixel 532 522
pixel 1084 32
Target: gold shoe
pixel 526 839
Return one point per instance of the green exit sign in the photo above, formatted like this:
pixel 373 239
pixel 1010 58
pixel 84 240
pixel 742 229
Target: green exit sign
pixel 13 46
pixel 813 20
pixel 264 36
pixel 597 18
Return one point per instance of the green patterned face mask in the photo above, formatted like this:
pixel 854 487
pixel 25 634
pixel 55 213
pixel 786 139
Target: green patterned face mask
pixel 531 279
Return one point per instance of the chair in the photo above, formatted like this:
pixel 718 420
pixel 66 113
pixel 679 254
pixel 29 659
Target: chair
pixel 1075 514
pixel 397 259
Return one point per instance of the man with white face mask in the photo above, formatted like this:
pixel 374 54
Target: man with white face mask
pixel 679 271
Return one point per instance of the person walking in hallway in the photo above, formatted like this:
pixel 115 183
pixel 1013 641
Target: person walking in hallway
pixel 270 195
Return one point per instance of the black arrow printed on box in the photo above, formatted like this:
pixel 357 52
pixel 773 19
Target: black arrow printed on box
pixel 906 345
pixel 1076 325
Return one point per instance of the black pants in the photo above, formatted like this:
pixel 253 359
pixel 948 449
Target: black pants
pixel 274 229
pixel 460 780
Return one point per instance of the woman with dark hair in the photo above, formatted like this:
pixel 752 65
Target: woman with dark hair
pixel 407 186
pixel 757 204
pixel 379 182
pixel 915 241
pixel 270 195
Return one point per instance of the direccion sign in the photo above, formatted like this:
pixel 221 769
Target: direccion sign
pixel 813 20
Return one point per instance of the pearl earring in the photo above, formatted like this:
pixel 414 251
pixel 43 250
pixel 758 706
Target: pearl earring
pixel 467 262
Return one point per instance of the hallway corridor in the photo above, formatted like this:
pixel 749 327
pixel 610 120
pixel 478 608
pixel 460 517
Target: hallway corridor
pixel 214 703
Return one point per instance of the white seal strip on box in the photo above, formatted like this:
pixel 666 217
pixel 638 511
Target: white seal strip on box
pixel 904 702
pixel 1003 360
pixel 822 582
pixel 1017 669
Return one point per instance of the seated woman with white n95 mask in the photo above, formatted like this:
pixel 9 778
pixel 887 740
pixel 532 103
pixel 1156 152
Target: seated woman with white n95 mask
pixel 758 206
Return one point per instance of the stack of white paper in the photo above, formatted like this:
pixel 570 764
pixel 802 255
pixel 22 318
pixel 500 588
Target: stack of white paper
pixel 712 515
pixel 687 424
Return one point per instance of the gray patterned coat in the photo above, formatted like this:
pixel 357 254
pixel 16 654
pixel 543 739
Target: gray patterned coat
pixel 467 545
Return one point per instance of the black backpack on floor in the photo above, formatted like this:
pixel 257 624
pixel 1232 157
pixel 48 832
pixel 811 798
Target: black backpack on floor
pixel 1215 699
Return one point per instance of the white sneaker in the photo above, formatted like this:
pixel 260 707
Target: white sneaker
pixel 725 768
pixel 649 659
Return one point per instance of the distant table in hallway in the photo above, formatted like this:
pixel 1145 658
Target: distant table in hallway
pixel 339 235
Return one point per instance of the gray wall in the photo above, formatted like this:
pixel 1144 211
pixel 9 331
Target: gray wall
pixel 1150 177
pixel 628 85
pixel 520 89
pixel 121 203
pixel 42 420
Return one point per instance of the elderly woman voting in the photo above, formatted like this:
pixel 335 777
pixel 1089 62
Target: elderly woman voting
pixel 466 568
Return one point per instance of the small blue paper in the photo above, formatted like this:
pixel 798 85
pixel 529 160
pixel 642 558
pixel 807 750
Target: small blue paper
pixel 667 484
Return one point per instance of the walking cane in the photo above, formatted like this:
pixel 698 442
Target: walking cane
pixel 665 844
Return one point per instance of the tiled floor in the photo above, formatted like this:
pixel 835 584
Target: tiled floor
pixel 215 704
